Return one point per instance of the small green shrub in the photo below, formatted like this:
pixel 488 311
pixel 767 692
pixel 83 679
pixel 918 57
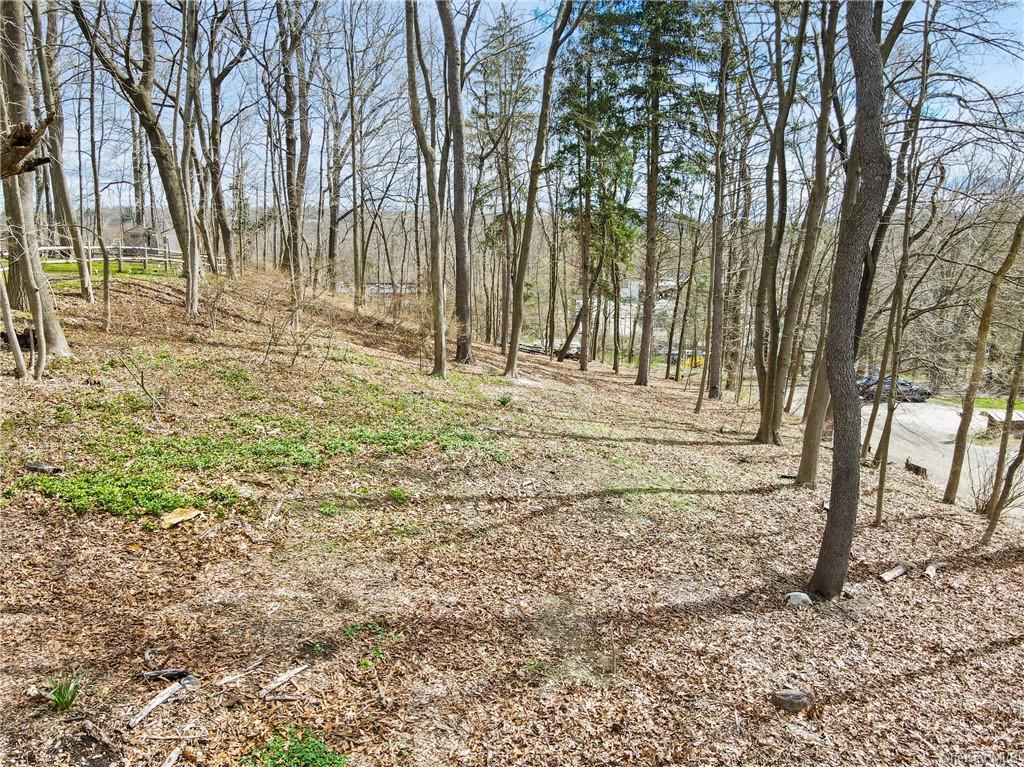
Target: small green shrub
pixel 296 748
pixel 63 690
pixel 505 399
pixel 328 509
pixel 122 493
pixel 398 495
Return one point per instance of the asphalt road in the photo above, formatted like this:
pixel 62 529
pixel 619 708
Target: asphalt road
pixel 924 432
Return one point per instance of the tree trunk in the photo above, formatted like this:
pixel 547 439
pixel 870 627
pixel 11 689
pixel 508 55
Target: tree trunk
pixel 714 360
pixel 860 212
pixel 55 142
pixel 536 167
pixel 463 275
pixel 815 211
pixel 433 202
pixel 651 239
pixel 23 246
pixel 977 368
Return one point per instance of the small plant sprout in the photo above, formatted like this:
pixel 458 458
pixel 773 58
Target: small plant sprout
pixel 62 690
pixel 505 399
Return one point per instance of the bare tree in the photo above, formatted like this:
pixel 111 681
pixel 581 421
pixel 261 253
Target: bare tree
pixel 558 37
pixel 19 189
pixel 429 159
pixel 137 80
pixel 862 205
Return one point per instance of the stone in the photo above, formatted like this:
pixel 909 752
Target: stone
pixel 178 516
pixel 791 700
pixel 249 493
pixel 41 467
pixel 797 599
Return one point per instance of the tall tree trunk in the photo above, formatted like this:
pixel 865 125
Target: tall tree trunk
pixel 463 275
pixel 860 213
pixel 55 141
pixel 19 192
pixel 138 90
pixel 1000 477
pixel 714 360
pixel 565 8
pixel 766 348
pixel 978 366
pixel 815 211
pixel 433 201
pixel 651 237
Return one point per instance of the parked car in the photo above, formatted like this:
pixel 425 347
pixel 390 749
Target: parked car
pixel 906 390
pixel 865 383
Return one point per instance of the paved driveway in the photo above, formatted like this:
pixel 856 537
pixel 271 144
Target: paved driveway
pixel 924 432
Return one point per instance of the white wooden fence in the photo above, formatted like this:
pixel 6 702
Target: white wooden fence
pixel 149 257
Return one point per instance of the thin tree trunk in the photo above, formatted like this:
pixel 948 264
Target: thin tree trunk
pixel 977 368
pixel 536 167
pixel 860 211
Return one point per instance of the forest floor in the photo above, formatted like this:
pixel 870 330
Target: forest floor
pixel 563 570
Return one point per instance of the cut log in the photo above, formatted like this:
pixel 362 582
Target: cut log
pixel 166 674
pixel 890 575
pixel 41 467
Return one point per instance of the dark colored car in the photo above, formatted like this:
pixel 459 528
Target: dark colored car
pixel 906 390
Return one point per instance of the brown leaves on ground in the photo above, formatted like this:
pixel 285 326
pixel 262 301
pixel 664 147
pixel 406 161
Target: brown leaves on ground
pixel 593 576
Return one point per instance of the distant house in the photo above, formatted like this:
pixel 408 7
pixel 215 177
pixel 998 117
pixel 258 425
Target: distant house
pixel 140 237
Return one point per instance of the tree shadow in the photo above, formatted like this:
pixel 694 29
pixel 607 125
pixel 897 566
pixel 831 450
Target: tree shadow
pixel 932 668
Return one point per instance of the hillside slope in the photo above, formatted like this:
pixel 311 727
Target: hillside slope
pixel 562 570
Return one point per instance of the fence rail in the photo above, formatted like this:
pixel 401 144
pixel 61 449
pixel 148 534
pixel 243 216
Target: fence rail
pixel 121 254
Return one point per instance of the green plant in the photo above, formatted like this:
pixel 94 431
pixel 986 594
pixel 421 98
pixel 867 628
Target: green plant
pixel 505 399
pixel 63 690
pixel 122 493
pixel 296 748
pixel 398 495
pixel 329 509
pixel 408 530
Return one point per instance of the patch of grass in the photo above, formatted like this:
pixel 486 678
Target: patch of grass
pixel 328 509
pixel 296 748
pixel 147 359
pixel 62 691
pixel 373 628
pixel 398 495
pixel 995 403
pixel 238 380
pixel 505 399
pixel 129 494
pixel 401 439
pixel 120 404
pixel 408 530
pixel 536 668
